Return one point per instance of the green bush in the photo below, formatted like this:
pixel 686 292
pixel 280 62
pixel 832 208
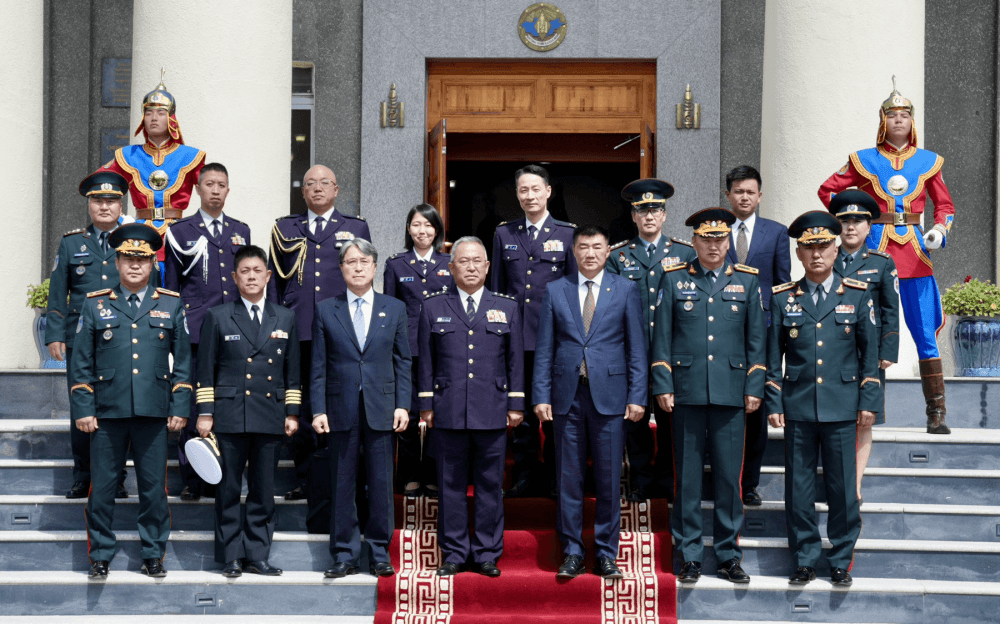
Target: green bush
pixel 972 298
pixel 38 295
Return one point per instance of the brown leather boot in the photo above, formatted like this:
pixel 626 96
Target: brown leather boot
pixel 932 383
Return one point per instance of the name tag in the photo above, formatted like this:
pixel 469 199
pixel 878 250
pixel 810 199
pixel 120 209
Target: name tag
pixel 867 271
pixel 631 268
pixel 406 279
pixel 342 236
pixel 793 314
pixel 845 309
pixel 552 245
pixel 496 316
pixel 159 314
pixel 232 338
pixel 443 319
pixel 733 288
pixel 510 247
pixel 190 243
pixel 281 335
pixel 81 255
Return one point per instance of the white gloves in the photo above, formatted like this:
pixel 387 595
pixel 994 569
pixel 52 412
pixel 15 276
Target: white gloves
pixel 934 238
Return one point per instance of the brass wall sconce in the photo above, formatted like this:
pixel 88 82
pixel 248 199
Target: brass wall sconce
pixel 688 112
pixel 391 112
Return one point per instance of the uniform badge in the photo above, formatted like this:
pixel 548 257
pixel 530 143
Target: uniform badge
pixel 79 326
pixel 186 330
pixel 626 263
pixel 80 270
pixel 443 273
pixel 443 319
pixel 279 334
pixel 105 312
pixel 342 236
pixel 689 305
pixel 380 315
pixel 107 334
pixel 158 180
pixel 896 284
pixel 669 262
pixel 406 279
pixel 793 332
pixel 232 337
pixel 56 263
pixel 659 296
pixel 83 248
pixel 871 315
pixel 510 247
pixel 847 329
pixel 554 269
pixel 736 308
pixel 867 271
pixel 552 245
pixel 162 335
pixel 843 170
pixel 279 352
pixel 159 314
pixel 621 257
pixel 845 309
pixel 734 288
pixel 496 316
pixel 239 240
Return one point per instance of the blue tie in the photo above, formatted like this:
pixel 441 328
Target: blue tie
pixel 359 324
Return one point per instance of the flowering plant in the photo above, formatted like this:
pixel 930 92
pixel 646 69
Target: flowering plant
pixel 38 295
pixel 972 298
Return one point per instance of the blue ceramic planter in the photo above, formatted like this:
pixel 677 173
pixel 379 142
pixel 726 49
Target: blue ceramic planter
pixel 977 346
pixel 46 360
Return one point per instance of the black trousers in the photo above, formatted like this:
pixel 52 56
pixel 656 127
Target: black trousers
pixel 755 445
pixel 413 463
pixel 248 538
pixel 527 439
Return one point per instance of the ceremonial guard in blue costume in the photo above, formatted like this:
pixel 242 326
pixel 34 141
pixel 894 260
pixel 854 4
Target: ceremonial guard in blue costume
pixel 411 276
pixel 855 210
pixel 163 170
pixel 199 265
pixel 85 263
pixel 823 329
pixel 900 177
pixel 471 387
pixel 305 269
pixel 708 370
pixel 644 260
pixel 125 393
pixel 528 254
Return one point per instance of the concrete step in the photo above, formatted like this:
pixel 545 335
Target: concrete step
pixel 57 513
pixel 911 447
pixel 970 402
pixel 33 393
pixel 185 592
pixel 55 476
pixel 876 558
pixel 769 598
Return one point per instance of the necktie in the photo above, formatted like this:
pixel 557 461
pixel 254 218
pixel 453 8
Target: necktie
pixel 651 249
pixel 533 231
pixel 133 302
pixel 255 314
pixel 423 266
pixel 588 317
pixel 215 228
pixel 470 307
pixel 848 259
pixel 742 247
pixel 359 323
pixel 819 294
pixel 711 276
pixel 104 242
pixel 319 224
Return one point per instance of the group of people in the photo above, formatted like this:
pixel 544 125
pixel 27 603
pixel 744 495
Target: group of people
pixel 577 339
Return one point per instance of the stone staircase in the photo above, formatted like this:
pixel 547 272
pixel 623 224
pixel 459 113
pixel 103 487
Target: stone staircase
pixel 929 550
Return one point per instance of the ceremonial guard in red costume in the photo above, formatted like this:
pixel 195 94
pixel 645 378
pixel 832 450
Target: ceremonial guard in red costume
pixel 900 177
pixel 162 172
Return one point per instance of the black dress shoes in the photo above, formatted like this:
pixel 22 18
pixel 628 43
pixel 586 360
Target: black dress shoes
pixel 449 569
pixel 802 575
pixel 233 569
pixel 122 492
pixel 153 568
pixel 80 489
pixel 752 498
pixel 572 567
pixel 487 568
pixel 731 571
pixel 636 495
pixel 263 568
pixel 297 494
pixel 605 566
pixel 690 572
pixel 190 494
pixel 841 577
pixel 521 489
pixel 98 571
pixel 339 570
pixel 430 491
pixel 381 568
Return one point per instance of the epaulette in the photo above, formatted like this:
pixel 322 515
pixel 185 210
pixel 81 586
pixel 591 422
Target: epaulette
pixel 164 291
pixel 682 242
pixel 71 232
pixel 675 267
pixel 505 296
pixel 565 223
pixel 358 217
pixel 745 269
pixel 99 293
pixel 435 294
pixel 783 287
pixel 879 253
pixel 617 245
pixel 855 283
pixel 396 255
pixel 293 216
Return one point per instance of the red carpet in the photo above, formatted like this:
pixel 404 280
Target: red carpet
pixel 528 590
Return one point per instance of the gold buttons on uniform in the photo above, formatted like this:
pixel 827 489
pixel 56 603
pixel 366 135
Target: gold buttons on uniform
pixel 470 332
pixel 220 251
pixel 471 346
pixel 134 326
pixel 317 273
pixel 530 258
pixel 711 300
pixel 711 318
pixel 135 371
pixel 319 246
pixel 105 263
pixel 268 395
pixel 225 292
pixel 819 380
pixel 269 379
pixel 135 341
pixel 529 271
pixel 270 361
pixel 471 375
pixel 424 280
pixel 249 376
pixel 223 279
pixel 135 356
pixel 527 300
pixel 222 264
pixel 652 273
pixel 317 260
pixel 187 305
pixel 819 325
pixel 652 290
pixel 470 360
pixel 652 307
pixel 819 344
pixel 248 393
pixel 711 357
pixel 104 277
pixel 650 324
pixel 819 362
pixel 317 288
pixel 528 286
pixel 249 360
pixel 711 338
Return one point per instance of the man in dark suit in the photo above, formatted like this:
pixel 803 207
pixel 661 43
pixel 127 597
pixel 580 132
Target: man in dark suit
pixel 528 254
pixel 824 331
pixel 471 382
pixel 590 371
pixel 248 394
pixel 126 394
pixel 361 367
pixel 763 245
pixel 199 262
pixel 305 269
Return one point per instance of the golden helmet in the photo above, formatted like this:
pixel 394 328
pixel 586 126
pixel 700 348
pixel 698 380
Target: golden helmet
pixel 895 101
pixel 160 98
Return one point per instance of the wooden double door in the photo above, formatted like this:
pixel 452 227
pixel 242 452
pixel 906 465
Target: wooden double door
pixel 537 111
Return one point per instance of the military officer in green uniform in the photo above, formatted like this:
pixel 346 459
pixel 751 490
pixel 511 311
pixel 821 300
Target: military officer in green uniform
pixel 125 392
pixel 856 210
pixel 824 327
pixel 708 370
pixel 643 260
pixel 85 262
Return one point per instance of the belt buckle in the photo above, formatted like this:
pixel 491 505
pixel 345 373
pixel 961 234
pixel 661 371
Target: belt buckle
pixel 157 214
pixel 899 218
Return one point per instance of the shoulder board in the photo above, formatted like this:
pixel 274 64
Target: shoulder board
pixel 876 252
pixel 505 296
pixel 855 283
pixel 783 287
pixel 358 217
pixel 228 218
pixel 397 255
pixel 675 267
pixel 71 232
pixel 564 223
pixel 164 291
pixel 503 223
pixel 682 242
pixel 745 269
pixel 435 294
pixel 617 245
pixel 294 216
pixel 99 293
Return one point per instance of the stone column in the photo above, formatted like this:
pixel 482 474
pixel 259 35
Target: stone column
pixel 827 68
pixel 22 38
pixel 229 67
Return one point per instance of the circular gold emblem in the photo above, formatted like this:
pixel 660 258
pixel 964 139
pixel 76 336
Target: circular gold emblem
pixel 689 305
pixel 647 196
pixel 793 333
pixel 542 27
pixel 158 180
pixel 107 334
pixel 897 185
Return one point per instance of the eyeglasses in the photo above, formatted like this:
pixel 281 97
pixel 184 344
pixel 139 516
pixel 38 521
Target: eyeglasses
pixel 643 212
pixel 364 262
pixel 476 262
pixel 324 182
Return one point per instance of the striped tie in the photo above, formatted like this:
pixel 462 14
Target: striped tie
pixel 741 244
pixel 588 316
